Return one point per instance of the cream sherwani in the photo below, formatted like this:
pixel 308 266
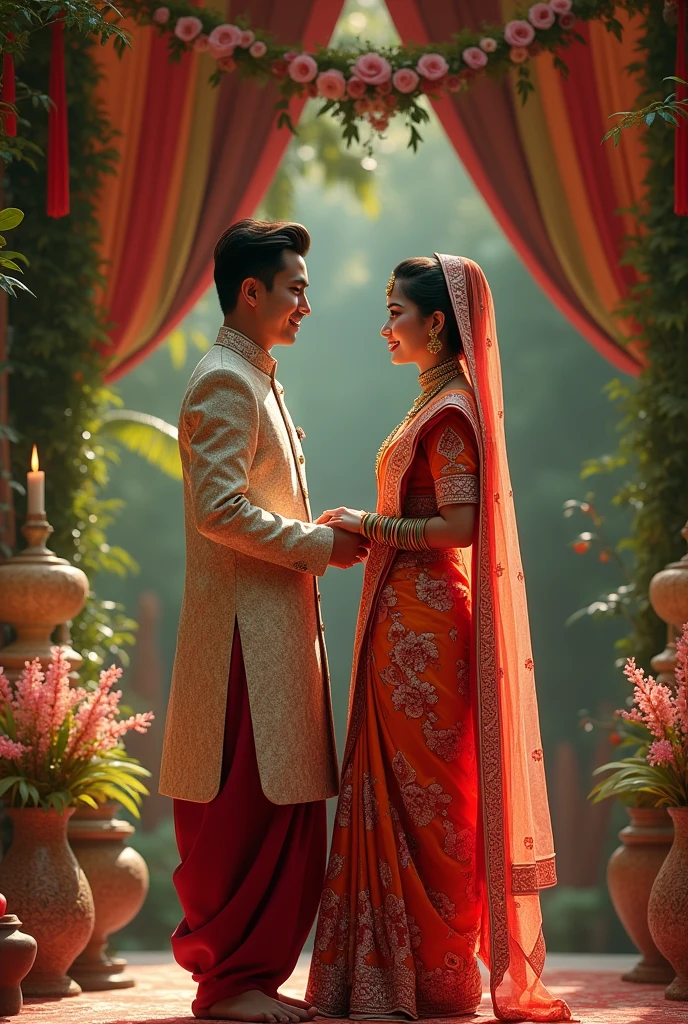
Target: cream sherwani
pixel 252 557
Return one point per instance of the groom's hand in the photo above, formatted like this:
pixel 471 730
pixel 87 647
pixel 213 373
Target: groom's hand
pixel 348 548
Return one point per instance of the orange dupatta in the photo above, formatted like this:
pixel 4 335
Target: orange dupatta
pixel 518 847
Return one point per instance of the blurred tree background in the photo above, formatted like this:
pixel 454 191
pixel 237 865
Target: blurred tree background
pixel 365 215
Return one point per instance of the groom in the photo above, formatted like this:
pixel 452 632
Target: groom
pixel 249 753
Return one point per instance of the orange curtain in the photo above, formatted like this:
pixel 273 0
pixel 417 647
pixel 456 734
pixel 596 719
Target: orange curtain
pixel 191 160
pixel 557 193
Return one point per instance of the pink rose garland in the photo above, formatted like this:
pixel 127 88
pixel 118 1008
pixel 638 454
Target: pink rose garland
pixel 519 33
pixel 187 29
pixel 474 57
pixel 331 84
pixel 541 16
pixel 161 15
pixel 223 40
pixel 432 66
pixel 405 80
pixel 259 49
pixel 356 88
pixel 303 68
pixel 561 6
pixel 372 69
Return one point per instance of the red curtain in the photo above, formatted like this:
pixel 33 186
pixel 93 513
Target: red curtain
pixel 552 187
pixel 192 160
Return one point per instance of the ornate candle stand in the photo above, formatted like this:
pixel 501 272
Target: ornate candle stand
pixel 668 595
pixel 38 592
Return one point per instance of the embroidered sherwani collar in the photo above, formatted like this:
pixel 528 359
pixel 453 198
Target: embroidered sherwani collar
pixel 255 355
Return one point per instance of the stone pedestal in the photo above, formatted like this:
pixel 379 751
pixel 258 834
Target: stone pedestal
pixel 38 591
pixel 668 595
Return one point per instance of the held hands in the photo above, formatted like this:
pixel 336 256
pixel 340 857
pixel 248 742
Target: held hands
pixel 349 546
pixel 346 518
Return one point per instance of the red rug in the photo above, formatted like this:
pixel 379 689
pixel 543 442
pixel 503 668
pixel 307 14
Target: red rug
pixel 163 995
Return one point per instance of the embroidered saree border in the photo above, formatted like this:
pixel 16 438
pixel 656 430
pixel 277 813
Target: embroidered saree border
pixel 528 879
pixel 490 768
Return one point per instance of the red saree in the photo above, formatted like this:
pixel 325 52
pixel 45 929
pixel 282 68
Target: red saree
pixel 442 838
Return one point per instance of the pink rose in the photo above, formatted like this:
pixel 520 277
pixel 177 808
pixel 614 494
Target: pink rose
pixel 474 57
pixel 219 51
pixel 290 55
pixel 161 15
pixel 518 54
pixel 432 66
pixel 362 106
pixel 384 89
pixel 303 68
pixel 279 68
pixel 405 80
pixel 372 69
pixel 561 6
pixel 259 49
pixel 519 33
pixel 227 64
pixel 201 44
pixel 541 16
pixel 224 39
pixel 331 84
pixel 568 20
pixel 488 44
pixel 453 83
pixel 187 29
pixel 247 40
pixel 356 87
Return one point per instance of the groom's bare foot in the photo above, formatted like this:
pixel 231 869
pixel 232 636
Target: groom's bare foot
pixel 256 1008
pixel 312 1011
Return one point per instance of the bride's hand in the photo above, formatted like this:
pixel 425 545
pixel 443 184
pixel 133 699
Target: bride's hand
pixel 346 518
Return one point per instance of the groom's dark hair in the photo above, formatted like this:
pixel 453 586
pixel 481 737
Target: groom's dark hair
pixel 254 248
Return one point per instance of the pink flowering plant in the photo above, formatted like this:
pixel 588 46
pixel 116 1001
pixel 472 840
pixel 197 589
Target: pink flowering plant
pixel 658 770
pixel 367 87
pixel 61 745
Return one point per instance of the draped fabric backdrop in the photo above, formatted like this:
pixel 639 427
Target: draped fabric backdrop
pixel 554 190
pixel 192 160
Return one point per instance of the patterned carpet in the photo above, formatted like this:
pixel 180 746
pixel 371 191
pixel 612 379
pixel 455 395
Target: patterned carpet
pixel 163 995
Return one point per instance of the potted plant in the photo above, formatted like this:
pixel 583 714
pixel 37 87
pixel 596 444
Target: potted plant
pixel 60 748
pixel 658 772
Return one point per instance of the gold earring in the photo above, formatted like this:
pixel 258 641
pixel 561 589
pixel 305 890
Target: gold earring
pixel 434 345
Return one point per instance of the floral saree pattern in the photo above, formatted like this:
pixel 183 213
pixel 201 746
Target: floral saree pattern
pixel 401 911
pixel 399 920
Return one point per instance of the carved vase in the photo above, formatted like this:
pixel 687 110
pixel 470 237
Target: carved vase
pixel 119 880
pixel 668 908
pixel 49 891
pixel 17 954
pixel 631 872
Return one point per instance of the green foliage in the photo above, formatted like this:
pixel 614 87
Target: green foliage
pixel 9 219
pixel 634 778
pixel 110 776
pixel 152 438
pixel 572 917
pixel 19 21
pixel 669 110
pixel 653 448
pixel 57 400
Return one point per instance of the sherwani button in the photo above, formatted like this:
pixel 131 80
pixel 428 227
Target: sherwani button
pixel 302 458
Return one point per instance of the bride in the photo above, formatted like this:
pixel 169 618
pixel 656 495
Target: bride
pixel 442 837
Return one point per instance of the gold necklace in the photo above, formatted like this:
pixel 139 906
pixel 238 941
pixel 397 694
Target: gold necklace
pixel 431 381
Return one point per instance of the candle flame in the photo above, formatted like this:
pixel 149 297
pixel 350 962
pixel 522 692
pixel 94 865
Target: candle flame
pixel 34 460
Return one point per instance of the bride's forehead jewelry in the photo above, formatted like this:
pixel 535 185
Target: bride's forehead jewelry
pixel 390 285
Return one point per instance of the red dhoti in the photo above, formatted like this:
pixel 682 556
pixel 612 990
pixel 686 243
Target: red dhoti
pixel 251 871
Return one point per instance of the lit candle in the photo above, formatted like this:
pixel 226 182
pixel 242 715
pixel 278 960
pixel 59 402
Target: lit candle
pixel 35 487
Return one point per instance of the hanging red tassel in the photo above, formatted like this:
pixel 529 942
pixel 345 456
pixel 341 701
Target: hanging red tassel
pixel 681 141
pixel 9 91
pixel 58 142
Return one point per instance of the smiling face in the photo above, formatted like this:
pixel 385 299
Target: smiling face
pixel 280 309
pixel 407 331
